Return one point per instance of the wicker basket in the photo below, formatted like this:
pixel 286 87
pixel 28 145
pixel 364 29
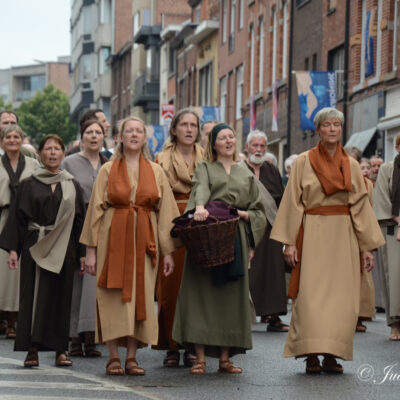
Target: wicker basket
pixel 209 245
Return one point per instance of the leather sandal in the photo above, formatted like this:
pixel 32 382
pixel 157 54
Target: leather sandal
pixel 62 359
pixel 312 365
pixel 91 351
pixel 199 368
pixel 31 359
pixel 11 333
pixel 172 359
pixel 189 359
pixel 75 350
pixel 228 367
pixel 276 325
pixel 133 369
pixel 331 366
pixel 114 369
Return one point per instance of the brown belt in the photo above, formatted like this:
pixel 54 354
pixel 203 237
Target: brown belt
pixel 320 210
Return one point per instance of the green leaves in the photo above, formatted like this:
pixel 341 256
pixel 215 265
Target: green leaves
pixel 47 112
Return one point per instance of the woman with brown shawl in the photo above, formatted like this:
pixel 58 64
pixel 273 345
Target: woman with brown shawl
pixel 14 167
pixel 327 225
pixel 44 227
pixel 178 160
pixel 126 231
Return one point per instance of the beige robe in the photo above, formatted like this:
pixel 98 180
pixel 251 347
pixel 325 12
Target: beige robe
pixel 9 279
pixel 115 318
pixel 325 312
pixel 388 255
pixel 367 291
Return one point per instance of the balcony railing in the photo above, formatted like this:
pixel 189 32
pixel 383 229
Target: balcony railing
pixel 147 91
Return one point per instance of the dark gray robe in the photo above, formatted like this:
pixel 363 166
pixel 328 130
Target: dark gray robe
pixel 267 272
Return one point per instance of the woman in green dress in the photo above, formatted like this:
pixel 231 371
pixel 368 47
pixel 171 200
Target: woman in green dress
pixel 212 317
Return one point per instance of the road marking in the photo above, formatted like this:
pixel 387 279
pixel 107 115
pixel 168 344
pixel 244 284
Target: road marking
pixel 96 384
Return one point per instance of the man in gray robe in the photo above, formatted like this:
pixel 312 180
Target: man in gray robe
pixel 267 272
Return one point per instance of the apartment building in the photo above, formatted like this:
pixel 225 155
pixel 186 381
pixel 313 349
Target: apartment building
pixel 19 84
pixel 91 42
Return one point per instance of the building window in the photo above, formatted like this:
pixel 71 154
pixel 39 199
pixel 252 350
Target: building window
pixel 5 92
pixel 103 55
pixel 261 53
pixel 224 97
pixel 336 63
pixel 171 61
pixel 146 17
pixel 87 20
pixel 86 67
pixel 306 64
pixel 252 56
pixel 241 13
pixel 300 3
pixel 314 62
pixel 105 12
pixel 197 14
pixel 136 25
pixel 148 63
pixel 331 6
pixel 239 92
pixel 205 85
pixel 274 43
pixel 285 38
pixel 225 19
pixel 232 31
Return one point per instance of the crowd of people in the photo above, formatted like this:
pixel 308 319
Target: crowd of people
pixel 86 246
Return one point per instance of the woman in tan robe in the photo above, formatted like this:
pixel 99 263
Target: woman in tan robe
pixel 178 160
pixel 325 212
pixel 367 291
pixel 131 195
pixel 14 167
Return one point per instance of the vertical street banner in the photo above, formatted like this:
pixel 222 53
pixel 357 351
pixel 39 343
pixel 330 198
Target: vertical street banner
pixel 167 113
pixel 208 113
pixel 156 137
pixel 275 107
pixel 316 90
pixel 369 44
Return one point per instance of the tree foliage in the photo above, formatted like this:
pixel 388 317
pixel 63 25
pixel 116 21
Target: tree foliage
pixel 4 106
pixel 47 112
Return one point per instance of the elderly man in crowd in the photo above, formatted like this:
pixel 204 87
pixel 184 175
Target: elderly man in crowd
pixel 376 163
pixel 267 273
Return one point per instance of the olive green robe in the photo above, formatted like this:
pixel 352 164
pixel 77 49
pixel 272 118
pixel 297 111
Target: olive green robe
pixel 212 315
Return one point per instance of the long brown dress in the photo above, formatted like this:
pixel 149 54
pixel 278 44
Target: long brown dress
pixel 180 176
pixel 326 309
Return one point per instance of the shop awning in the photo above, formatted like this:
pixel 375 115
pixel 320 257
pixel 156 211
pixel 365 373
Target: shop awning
pixel 361 139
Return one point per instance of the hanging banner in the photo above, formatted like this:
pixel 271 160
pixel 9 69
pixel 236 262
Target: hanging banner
pixel 275 107
pixel 156 137
pixel 316 90
pixel 369 44
pixel 167 113
pixel 208 113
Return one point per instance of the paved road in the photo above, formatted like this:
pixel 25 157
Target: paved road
pixel 266 375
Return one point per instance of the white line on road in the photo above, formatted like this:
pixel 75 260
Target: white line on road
pixel 97 382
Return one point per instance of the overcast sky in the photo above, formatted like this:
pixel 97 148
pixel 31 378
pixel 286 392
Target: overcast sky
pixel 33 30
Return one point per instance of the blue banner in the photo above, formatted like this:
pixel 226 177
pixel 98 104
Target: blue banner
pixel 316 90
pixel 369 46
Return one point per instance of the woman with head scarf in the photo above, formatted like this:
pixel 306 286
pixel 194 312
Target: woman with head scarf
pixel 127 231
pixel 327 225
pixel 43 228
pixel 212 314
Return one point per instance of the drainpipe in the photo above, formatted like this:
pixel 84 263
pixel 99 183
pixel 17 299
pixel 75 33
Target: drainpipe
pixel 289 108
pixel 346 70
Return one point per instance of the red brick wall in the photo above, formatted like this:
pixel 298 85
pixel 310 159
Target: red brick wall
pixel 59 76
pixel 123 26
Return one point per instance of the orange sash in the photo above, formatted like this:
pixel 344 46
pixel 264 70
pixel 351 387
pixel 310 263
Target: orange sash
pixel 118 269
pixel 333 173
pixel 321 210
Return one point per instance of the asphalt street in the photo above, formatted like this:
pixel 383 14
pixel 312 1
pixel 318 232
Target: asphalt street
pixel 374 374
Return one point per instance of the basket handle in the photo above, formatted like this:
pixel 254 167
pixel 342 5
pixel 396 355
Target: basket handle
pixel 209 216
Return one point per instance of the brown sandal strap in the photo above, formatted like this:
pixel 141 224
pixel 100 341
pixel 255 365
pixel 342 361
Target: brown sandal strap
pixel 199 368
pixel 116 369
pixel 134 369
pixel 113 360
